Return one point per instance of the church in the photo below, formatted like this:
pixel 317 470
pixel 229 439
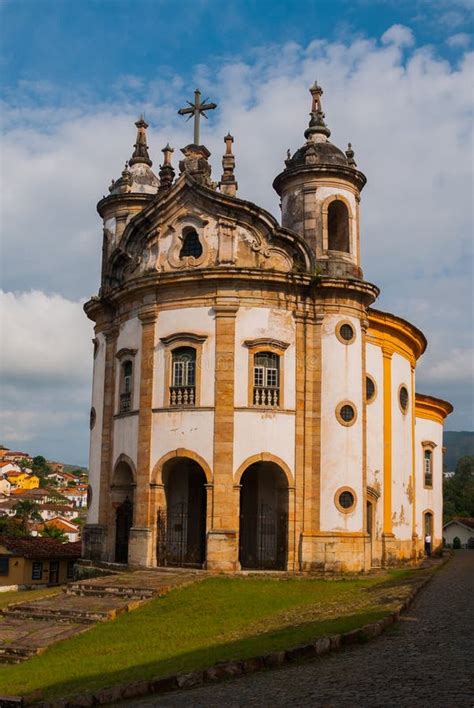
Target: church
pixel 251 408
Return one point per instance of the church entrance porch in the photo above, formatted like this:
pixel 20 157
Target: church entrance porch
pixel 263 539
pixel 181 525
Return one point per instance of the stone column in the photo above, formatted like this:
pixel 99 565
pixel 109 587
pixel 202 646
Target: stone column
pixel 222 538
pixel 413 466
pixel 141 542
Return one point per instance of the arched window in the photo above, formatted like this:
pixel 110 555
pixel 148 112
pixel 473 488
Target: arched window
pixel 183 377
pixel 266 379
pixel 338 226
pixel 428 467
pixel 191 245
pixel 126 372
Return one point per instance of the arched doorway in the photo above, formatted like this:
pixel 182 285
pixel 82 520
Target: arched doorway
pixel 263 538
pixel 182 524
pixel 122 489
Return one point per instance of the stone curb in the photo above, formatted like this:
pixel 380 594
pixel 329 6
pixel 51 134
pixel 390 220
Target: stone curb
pixel 226 669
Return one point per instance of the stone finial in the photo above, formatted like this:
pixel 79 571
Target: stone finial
pixel 228 184
pixel 123 184
pixel 350 156
pixel 317 129
pixel 166 173
pixel 195 164
pixel 140 154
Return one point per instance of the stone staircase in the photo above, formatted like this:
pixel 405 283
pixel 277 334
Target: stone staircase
pixel 28 628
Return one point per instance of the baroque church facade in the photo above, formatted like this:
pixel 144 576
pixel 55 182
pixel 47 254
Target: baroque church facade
pixel 251 409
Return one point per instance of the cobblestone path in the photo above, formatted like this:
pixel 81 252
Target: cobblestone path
pixel 427 659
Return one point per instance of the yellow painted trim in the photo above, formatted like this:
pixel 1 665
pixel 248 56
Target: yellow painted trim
pixel 387 442
pixel 395 335
pixel 431 408
pixel 413 452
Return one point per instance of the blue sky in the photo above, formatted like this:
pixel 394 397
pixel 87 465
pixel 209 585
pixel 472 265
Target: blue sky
pixel 89 45
pixel 397 79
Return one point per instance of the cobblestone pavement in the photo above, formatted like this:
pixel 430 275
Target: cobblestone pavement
pixel 427 659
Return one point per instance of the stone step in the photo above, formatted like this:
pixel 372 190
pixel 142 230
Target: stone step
pixel 74 615
pixel 86 590
pixel 15 655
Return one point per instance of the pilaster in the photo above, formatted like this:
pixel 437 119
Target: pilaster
pixel 222 537
pixel 141 547
pixel 106 513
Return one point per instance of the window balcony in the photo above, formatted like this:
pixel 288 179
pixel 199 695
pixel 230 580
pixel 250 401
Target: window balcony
pixel 125 402
pixel 266 397
pixel 182 396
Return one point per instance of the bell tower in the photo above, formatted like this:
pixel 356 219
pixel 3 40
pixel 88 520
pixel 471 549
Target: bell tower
pixel 320 193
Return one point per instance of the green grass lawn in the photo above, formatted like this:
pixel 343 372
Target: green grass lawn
pixel 194 627
pixel 13 596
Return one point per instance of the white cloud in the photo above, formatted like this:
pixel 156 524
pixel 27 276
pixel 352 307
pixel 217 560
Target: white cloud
pixel 399 35
pixel 46 358
pixel 407 112
pixel 461 40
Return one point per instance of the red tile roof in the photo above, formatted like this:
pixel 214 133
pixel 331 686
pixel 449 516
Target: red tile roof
pixel 41 548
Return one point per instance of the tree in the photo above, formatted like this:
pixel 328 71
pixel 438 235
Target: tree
pixel 54 532
pixel 11 527
pixel 40 466
pixel 459 490
pixel 26 511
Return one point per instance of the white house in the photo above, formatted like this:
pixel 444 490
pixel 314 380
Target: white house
pixel 461 528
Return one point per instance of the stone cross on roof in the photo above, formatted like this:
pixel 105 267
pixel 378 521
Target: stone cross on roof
pixel 197 109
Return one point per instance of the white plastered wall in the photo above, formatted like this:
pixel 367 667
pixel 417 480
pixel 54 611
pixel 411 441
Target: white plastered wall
pixel 254 323
pixel 429 499
pixel 126 438
pixel 195 320
pixel 264 431
pixel 374 367
pixel 341 446
pixel 189 429
pixel 402 516
pixel 95 445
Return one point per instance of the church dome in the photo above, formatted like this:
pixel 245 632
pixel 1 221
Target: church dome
pixel 324 153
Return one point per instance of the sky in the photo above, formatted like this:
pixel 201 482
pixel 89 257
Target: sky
pixel 397 79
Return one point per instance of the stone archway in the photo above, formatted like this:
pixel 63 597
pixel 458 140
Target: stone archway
pixel 181 522
pixel 263 536
pixel 122 493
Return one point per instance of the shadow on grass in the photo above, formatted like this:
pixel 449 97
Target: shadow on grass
pixel 252 646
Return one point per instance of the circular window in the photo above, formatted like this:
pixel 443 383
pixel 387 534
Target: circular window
pixel 403 398
pixel 370 389
pixel 345 332
pixel 345 499
pixel 92 418
pixel 346 413
pixel 89 496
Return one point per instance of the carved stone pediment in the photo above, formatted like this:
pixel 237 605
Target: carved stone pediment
pixel 226 233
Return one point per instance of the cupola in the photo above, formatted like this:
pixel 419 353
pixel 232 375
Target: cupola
pixel 320 194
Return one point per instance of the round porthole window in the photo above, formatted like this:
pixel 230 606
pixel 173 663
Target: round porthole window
pixel 92 418
pixel 346 413
pixel 403 398
pixel 89 496
pixel 345 499
pixel 345 332
pixel 370 389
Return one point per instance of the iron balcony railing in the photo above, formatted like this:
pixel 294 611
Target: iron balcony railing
pixel 125 402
